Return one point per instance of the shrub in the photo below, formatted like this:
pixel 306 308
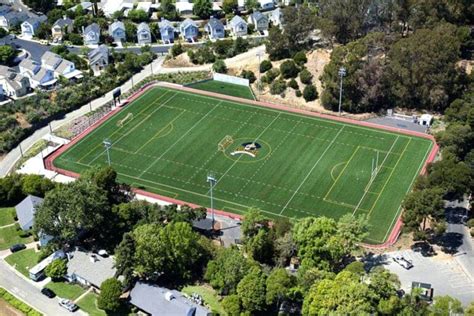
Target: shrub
pixel 250 28
pixel 202 55
pixel 306 76
pixel 293 84
pixel 470 223
pixel 265 66
pixel 177 49
pixel 75 39
pixel 278 87
pixel 56 269
pixel 289 69
pixel 271 75
pixel 300 58
pixel 310 93
pixel 298 93
pixel 472 232
pixel 248 74
pixel 219 66
pixel 109 297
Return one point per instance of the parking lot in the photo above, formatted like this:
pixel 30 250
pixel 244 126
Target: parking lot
pixel 442 271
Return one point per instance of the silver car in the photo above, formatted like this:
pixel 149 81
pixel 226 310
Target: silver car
pixel 68 304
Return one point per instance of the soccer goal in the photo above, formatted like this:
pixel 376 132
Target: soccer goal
pixel 224 143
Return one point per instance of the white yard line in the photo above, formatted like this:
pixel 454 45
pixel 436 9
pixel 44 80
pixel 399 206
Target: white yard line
pixel 311 171
pixel 373 178
pixel 179 139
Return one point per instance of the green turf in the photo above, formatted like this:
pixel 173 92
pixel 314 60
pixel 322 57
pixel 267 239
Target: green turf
pixel 224 88
pixel 7 216
pixel 208 295
pixel 23 260
pixel 166 142
pixel 88 303
pixel 10 235
pixel 66 290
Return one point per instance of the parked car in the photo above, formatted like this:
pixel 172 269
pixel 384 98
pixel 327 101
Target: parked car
pixel 17 247
pixel 405 263
pixel 68 305
pixel 48 292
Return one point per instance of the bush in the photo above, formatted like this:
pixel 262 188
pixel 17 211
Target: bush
pixel 265 66
pixel 25 234
pixel 75 39
pixel 306 76
pixel 470 223
pixel 109 297
pixel 440 228
pixel 219 66
pixel 248 74
pixel 293 84
pixel 270 76
pixel 310 93
pixel 289 69
pixel 300 58
pixel 202 55
pixel 177 49
pixel 16 303
pixel 278 87
pixel 56 269
pixel 298 93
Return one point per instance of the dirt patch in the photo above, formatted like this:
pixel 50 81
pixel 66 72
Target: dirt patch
pixel 7 310
pixel 22 121
pixel 179 62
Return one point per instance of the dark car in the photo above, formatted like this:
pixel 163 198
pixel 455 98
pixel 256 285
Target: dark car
pixel 17 247
pixel 47 292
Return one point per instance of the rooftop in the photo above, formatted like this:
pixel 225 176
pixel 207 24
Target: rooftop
pixel 91 267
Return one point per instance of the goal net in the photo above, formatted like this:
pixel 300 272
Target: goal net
pixel 224 143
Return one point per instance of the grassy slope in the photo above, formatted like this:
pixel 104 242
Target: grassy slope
pixel 224 88
pixel 7 216
pixel 306 166
pixel 23 260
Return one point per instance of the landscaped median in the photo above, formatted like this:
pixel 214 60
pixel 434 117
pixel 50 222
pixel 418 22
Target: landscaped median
pixel 11 300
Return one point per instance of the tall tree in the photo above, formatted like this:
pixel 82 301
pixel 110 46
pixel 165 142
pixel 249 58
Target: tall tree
pixel 124 258
pixel 202 8
pixel 278 284
pixel 421 205
pixel 7 54
pixel 251 291
pixel 109 297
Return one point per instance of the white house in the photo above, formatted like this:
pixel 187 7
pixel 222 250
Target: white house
pixel 38 76
pixel 91 34
pixel 259 20
pixel 184 7
pixel 59 66
pixel 143 34
pixel 13 84
pixel 237 26
pixel 30 26
pixel 267 4
pixel 117 31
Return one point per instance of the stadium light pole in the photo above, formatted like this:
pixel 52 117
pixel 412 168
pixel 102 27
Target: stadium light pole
pixel 259 55
pixel 107 144
pixel 211 179
pixel 342 72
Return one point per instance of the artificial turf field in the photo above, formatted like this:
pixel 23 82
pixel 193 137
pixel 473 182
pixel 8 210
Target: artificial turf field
pixel 224 88
pixel 166 142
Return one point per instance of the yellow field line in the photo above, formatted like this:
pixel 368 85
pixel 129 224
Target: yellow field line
pixel 389 177
pixel 342 171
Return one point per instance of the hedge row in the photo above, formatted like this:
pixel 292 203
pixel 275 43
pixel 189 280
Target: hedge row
pixel 16 303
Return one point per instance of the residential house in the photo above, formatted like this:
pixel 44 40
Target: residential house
pixel 30 26
pixel 10 19
pixel 59 66
pixel 25 211
pixel 37 272
pixel 60 28
pixel 38 76
pixel 189 30
pixel 166 31
pixel 89 269
pixel 144 6
pixel 259 20
pixel 184 7
pixel 85 5
pixel 13 84
pixel 266 4
pixel 215 28
pixel 91 34
pixel 155 300
pixel 109 7
pixel 98 58
pixel 117 31
pixel 143 34
pixel 276 17
pixel 238 26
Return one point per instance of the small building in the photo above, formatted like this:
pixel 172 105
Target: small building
pixel 155 300
pixel 14 85
pixel 266 4
pixel 60 28
pixel 91 34
pixel 426 120
pixel 189 30
pixel 215 28
pixel 117 31
pixel 166 31
pixel 59 66
pixel 89 269
pixel 259 20
pixel 38 76
pixel 237 26
pixel 30 26
pixel 25 211
pixel 184 7
pixel 143 34
pixel 427 291
pixel 98 58
pixel 276 17
pixel 10 19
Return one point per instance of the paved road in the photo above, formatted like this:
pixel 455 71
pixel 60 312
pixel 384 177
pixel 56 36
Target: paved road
pixel 30 293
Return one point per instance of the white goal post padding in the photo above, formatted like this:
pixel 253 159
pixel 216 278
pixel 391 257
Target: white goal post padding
pixel 231 79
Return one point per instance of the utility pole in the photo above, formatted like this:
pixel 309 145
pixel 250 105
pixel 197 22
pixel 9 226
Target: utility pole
pixel 259 55
pixel 107 144
pixel 211 179
pixel 342 73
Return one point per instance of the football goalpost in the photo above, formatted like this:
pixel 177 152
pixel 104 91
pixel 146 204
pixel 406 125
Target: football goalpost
pixel 224 143
pixel 374 171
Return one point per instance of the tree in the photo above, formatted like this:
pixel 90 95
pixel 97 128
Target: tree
pixel 310 93
pixel 40 5
pixel 277 47
pixel 288 69
pixel 248 74
pixel 226 270
pixel 231 305
pixel 446 305
pixel 109 296
pixel 260 246
pixel 299 23
pixel 470 309
pixel 277 286
pixel 251 291
pixel 168 10
pixel 124 258
pixel 278 87
pixel 138 15
pixel 106 179
pixel 265 65
pixel 174 250
pixel 37 185
pixel 252 222
pixel 229 6
pixel 219 66
pixel 7 55
pixel 202 8
pixel 252 5
pixel 306 76
pixel 130 31
pixel 421 205
pixel 57 269
pixel 454 178
pixel 300 58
